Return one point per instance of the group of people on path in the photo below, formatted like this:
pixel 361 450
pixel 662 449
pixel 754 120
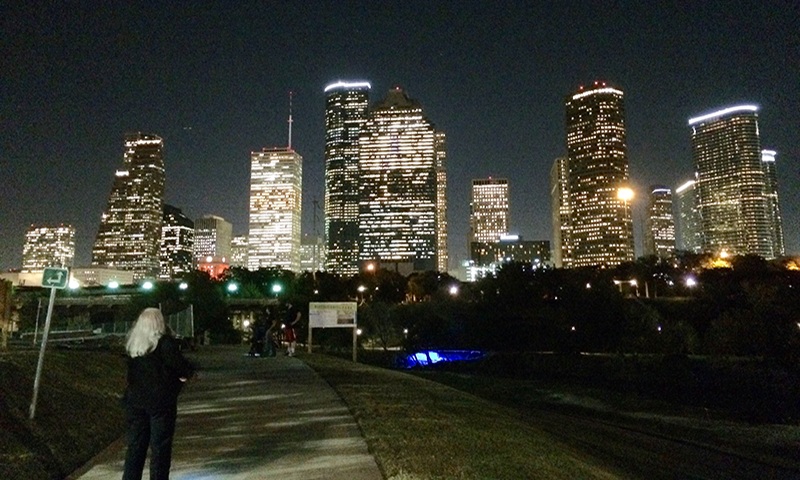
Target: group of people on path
pixel 265 338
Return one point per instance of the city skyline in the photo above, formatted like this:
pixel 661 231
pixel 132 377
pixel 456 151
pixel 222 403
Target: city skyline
pixel 73 93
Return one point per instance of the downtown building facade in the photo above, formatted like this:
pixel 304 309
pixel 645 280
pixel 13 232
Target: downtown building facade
pixel 600 220
pixel 398 210
pixel 559 213
pixel 731 185
pixel 129 235
pixel 489 210
pixel 689 236
pixel 239 246
pixel 212 238
pixel 177 244
pixel 276 181
pixel 659 238
pixel 773 205
pixel 346 111
pixel 48 246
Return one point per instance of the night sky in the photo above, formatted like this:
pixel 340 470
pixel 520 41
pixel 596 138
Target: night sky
pixel 213 81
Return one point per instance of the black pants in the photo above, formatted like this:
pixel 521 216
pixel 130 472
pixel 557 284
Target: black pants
pixel 155 429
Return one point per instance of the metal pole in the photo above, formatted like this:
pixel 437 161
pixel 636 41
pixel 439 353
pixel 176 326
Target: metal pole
pixel 355 336
pixel 36 330
pixel 308 346
pixel 41 352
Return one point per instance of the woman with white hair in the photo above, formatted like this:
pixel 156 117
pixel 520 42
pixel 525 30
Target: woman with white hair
pixel 156 373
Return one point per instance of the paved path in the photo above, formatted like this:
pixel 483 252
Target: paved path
pixel 256 418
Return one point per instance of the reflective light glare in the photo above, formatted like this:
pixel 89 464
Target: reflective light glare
pixel 725 111
pixel 341 84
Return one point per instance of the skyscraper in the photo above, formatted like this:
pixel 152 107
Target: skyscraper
pixel 239 247
pixel 600 212
pixel 276 181
pixel 346 108
pixel 442 254
pixel 48 246
pixel 489 210
pixel 212 238
pixel 773 206
pixel 129 237
pixel 689 236
pixel 177 243
pixel 659 238
pixel 397 208
pixel 559 212
pixel 730 184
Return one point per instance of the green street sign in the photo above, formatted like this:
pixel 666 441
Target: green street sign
pixel 55 278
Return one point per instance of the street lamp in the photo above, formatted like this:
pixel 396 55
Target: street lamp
pixel 454 290
pixel 183 286
pixel 276 289
pixel 113 284
pixel 232 287
pixel 148 285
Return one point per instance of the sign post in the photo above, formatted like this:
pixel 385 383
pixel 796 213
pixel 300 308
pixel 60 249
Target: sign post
pixel 333 315
pixel 54 279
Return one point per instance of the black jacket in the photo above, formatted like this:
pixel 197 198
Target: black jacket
pixel 154 379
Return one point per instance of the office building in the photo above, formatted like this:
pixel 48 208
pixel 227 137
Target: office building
pixel 442 254
pixel 601 229
pixel 239 246
pixel 312 254
pixel 489 210
pixel 212 238
pixel 730 183
pixel 177 244
pixel 688 232
pixel 346 109
pixel 773 206
pixel 48 246
pixel 659 238
pixel 559 212
pixel 486 258
pixel 397 208
pixel 129 236
pixel 276 181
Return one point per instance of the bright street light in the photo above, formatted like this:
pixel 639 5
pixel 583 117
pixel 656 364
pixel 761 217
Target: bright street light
pixel 148 285
pixel 454 290
pixel 691 282
pixel 113 284
pixel 625 194
pixel 232 287
pixel 277 288
pixel 183 286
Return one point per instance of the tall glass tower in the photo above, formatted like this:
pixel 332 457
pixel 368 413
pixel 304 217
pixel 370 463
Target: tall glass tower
pixel 689 236
pixel 442 254
pixel 730 183
pixel 129 237
pixel 659 238
pixel 489 210
pixel 397 207
pixel 773 206
pixel 276 181
pixel 346 108
pixel 177 244
pixel 601 231
pixel 559 213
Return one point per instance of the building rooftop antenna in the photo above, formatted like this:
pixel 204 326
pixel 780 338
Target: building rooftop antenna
pixel 291 94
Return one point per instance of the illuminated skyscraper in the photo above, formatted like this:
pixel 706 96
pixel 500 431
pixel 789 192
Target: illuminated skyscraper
pixel 239 246
pixel 600 212
pixel 346 109
pixel 689 236
pixel 489 210
pixel 398 186
pixel 442 255
pixel 731 199
pixel 276 182
pixel 212 238
pixel 773 206
pixel 559 212
pixel 177 243
pixel 48 246
pixel 129 237
pixel 659 239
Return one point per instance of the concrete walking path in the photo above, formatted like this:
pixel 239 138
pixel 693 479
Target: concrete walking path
pixel 255 418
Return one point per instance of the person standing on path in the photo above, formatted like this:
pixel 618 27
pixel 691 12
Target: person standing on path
pixel 156 372
pixel 289 333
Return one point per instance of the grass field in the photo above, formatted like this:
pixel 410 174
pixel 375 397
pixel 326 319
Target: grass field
pixel 418 429
pixel 77 413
